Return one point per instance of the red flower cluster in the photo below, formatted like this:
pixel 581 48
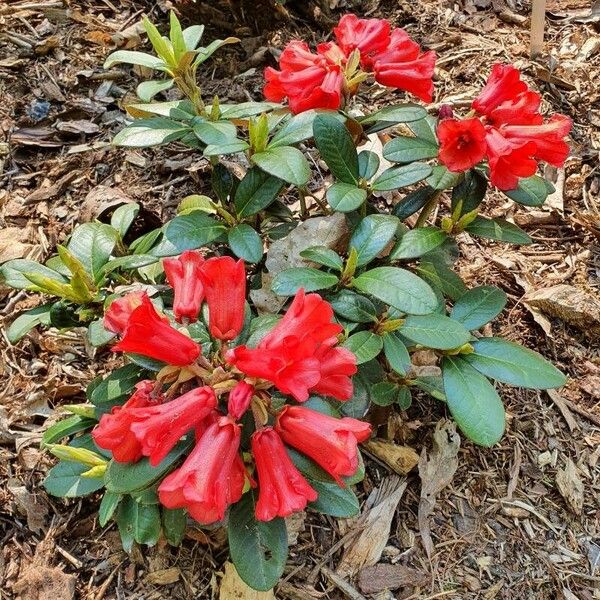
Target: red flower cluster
pixel 300 355
pixel 325 79
pixel 509 131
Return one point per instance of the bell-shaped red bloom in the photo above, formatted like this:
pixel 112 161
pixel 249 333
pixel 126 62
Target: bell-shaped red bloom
pixel 118 312
pixel 403 66
pixel 369 36
pixel 212 476
pixel 508 161
pixel 113 432
pixel 149 334
pixel 298 354
pixel 548 138
pixel 330 442
pixel 224 282
pixel 523 109
pixel 159 428
pixel 462 143
pixel 239 399
pixel 183 275
pixel 282 488
pixel 503 84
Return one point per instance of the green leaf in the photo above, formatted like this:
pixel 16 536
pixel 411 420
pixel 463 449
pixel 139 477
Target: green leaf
pixel 345 197
pixel 334 500
pixel 398 288
pixel 432 385
pixel 138 522
pixel 13 273
pixel 174 522
pixel 188 232
pixel 498 229
pixel 478 306
pixel 297 129
pixel 425 128
pixel 148 89
pixel 107 507
pixel 246 109
pixel 413 202
pixel 390 115
pixel 513 364
pixel 385 393
pixel 124 478
pixel 66 428
pixel 259 327
pixel 416 242
pixel 353 306
pixel 473 402
pixel 285 162
pixel 128 263
pixel 192 36
pixel 65 480
pixel 245 243
pixel 255 192
pixel 288 282
pixel 469 192
pixel 124 216
pixel 442 278
pixel 336 147
pixel 409 149
pixel 435 331
pixel 204 54
pixel 232 147
pixel 150 132
pixel 442 179
pixel 404 399
pixel 92 244
pixel 396 353
pixel 372 235
pixel 368 164
pixel 365 345
pixel 216 132
pixel 176 36
pixel 531 191
pixel 133 58
pixel 397 177
pixel 161 46
pixel 258 548
pixel 323 256
pixel 97 335
pixel 116 387
pixel 24 323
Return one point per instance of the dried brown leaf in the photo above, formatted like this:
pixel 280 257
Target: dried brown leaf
pixel 570 486
pixel 233 588
pixel 401 459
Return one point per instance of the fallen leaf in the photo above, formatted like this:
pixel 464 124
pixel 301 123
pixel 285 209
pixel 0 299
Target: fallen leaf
pixel 100 200
pixel 372 580
pixel 436 473
pixel 163 576
pixel 233 588
pixel 366 548
pixel 570 486
pixel 401 459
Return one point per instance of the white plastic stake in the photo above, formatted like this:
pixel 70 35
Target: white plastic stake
pixel 538 21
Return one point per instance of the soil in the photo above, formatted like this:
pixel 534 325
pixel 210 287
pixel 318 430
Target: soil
pixel 519 520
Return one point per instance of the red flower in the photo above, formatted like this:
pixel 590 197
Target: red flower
pixel 149 334
pixel 548 138
pixel 159 428
pixel 282 489
pixel 297 355
pixel 212 476
pixel 403 66
pixel 508 161
pixel 504 83
pixel 224 282
pixel 521 110
pixel 369 36
pixel 113 432
pixel 118 313
pixel 183 275
pixel 330 442
pixel 239 399
pixel 462 143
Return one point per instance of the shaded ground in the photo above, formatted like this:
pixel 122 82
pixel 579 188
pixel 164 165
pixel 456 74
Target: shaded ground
pixel 504 528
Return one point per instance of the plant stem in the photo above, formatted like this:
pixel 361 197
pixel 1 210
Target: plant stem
pixel 428 209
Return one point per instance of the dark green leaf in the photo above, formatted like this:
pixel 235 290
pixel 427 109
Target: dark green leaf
pixel 397 177
pixel 224 182
pixel 365 345
pixel 217 133
pixel 138 522
pixel 336 147
pixel 409 149
pixel 285 162
pixel 24 323
pixel 297 129
pixel 323 256
pixel 413 202
pixel 372 235
pixel 127 263
pixel 65 480
pixel 398 288
pixel 353 306
pixel 404 399
pixel 107 507
pixel 435 331
pixel 385 393
pixel 368 164
pixel 469 192
pixel 97 335
pixel 498 229
pixel 92 244
pixel 425 128
pixel 230 147
pixel 174 524
pixel 416 242
pixel 334 500
pixel 255 192
pixel 116 387
pixel 432 385
pixel 390 115
pixel 368 373
pixel 396 353
pixel 345 197
pixel 513 364
pixel 442 278
pixel 478 306
pixel 258 549
pixel 66 428
pixel 288 282
pixel 13 273
pixel 124 216
pixel 531 191
pixel 442 179
pixel 246 109
pixel 473 402
pixel 245 243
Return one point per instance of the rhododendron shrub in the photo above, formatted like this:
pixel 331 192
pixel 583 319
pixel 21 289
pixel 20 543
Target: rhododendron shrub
pixel 221 416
